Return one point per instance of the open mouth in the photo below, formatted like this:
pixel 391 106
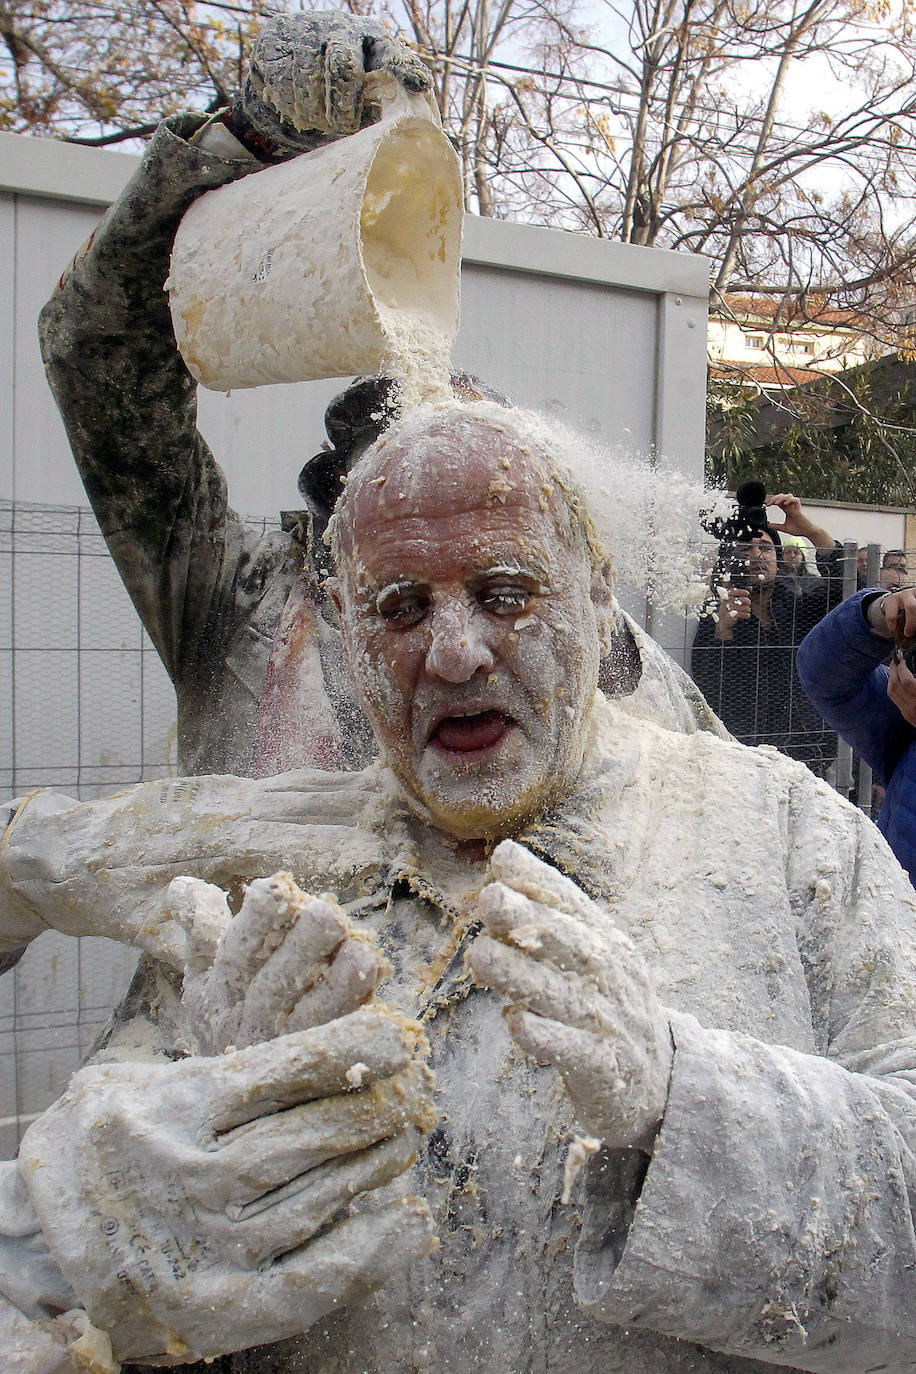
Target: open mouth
pixel 471 734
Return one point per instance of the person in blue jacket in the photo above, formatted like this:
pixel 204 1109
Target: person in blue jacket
pixel 872 704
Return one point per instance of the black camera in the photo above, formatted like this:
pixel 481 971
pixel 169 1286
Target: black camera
pixel 750 519
pixel 753 515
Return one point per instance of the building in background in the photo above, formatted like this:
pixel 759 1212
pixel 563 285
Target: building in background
pixel 772 343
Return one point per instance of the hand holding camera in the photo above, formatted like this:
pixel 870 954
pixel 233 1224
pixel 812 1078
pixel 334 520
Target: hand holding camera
pixel 893 616
pixel 736 606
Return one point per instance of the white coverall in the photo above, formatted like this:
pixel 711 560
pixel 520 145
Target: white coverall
pixel 773 1224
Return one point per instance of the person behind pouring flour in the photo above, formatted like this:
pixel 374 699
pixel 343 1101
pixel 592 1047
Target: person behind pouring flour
pixel 240 621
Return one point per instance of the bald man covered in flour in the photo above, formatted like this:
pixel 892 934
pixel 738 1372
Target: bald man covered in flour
pixel 549 1072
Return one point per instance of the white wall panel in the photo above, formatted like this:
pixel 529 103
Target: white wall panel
pixel 7 343
pixel 578 349
pixel 262 437
pixel 864 526
pixel 47 236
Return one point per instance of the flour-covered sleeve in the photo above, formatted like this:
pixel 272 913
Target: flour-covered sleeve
pixel 42 1330
pixel 103 867
pixel 19 925
pixel 662 691
pixel 775 1219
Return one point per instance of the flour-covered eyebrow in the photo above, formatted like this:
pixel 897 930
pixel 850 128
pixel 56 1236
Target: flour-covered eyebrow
pixel 399 585
pixel 504 570
pixel 402 589
pixel 535 575
pixel 369 593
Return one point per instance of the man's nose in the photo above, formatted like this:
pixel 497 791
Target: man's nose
pixel 459 646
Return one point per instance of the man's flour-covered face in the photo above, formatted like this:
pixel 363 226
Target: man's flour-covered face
pixel 471 624
pixel 762 561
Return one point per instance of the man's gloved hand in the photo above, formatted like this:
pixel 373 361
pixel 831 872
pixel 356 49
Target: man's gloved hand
pixel 307 79
pixel 196 1207
pixel 580 996
pixel 286 962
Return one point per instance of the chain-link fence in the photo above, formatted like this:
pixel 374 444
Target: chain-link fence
pixel 91 709
pixel 743 656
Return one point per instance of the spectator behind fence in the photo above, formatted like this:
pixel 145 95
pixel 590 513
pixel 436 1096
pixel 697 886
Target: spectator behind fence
pixel 744 652
pixel 794 571
pixel 862 567
pixel 893 573
pixel 872 703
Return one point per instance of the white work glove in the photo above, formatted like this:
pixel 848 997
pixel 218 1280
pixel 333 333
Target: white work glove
pixel 103 867
pixel 197 1207
pixel 580 996
pixel 286 962
pixel 307 78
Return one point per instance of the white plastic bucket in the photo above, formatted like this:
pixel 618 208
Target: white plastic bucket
pixel 327 265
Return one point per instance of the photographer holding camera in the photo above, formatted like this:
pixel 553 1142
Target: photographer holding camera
pixel 744 651
pixel 842 665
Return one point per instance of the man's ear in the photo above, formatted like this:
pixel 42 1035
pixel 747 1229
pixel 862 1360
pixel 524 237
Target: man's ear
pixel 603 602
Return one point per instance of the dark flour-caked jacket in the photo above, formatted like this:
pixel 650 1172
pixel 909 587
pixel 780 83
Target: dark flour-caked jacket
pixel 209 588
pixel 773 1224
